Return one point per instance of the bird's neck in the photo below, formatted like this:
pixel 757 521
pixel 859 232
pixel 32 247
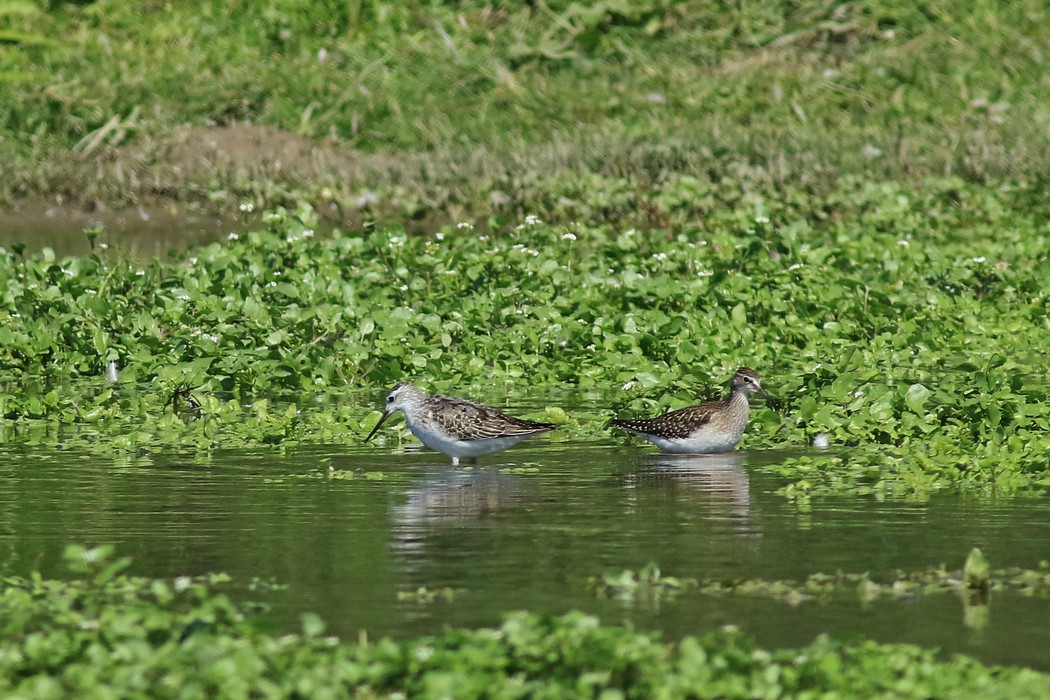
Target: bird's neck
pixel 737 399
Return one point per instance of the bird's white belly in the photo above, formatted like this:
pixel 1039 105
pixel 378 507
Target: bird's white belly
pixel 456 448
pixel 700 442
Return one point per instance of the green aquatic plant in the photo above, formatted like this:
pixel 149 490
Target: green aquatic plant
pixel 427 596
pixel 646 583
pixel 104 632
pixel 865 325
pixel 975 577
pixel 914 473
pixel 975 571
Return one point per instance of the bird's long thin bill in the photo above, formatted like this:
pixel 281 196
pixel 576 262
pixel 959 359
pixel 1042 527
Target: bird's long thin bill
pixel 765 393
pixel 382 419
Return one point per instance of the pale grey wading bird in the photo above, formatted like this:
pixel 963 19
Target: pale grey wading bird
pixel 458 428
pixel 713 426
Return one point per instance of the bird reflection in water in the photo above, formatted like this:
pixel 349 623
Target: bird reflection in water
pixel 453 498
pixel 717 480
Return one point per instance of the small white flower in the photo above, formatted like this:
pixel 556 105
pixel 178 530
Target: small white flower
pixel 761 219
pixel 232 236
pixel 568 237
pixel 590 347
pixel 627 386
pixel 903 243
pixel 403 288
pixel 629 233
pixel 439 236
pixel 532 220
pixel 308 233
pixel 483 238
pixel 247 207
pixel 795 266
pixel 465 225
pixel 979 259
pixel 660 256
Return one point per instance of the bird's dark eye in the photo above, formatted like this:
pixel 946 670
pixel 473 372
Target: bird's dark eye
pixel 389 399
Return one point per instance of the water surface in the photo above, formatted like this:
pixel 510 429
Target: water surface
pixel 345 541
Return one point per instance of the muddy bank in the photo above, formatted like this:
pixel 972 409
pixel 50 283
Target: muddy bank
pixel 201 183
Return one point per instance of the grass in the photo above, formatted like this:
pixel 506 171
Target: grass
pixel 440 109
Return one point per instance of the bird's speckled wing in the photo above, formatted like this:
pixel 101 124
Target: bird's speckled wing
pixel 678 424
pixel 467 420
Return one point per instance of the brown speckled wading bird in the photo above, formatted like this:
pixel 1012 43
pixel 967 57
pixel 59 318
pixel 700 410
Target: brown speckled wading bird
pixel 714 426
pixel 457 427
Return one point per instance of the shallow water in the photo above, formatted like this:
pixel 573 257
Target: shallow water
pixel 143 232
pixel 508 540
